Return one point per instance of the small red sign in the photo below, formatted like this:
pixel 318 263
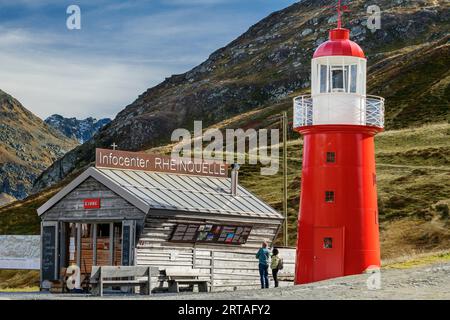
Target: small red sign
pixel 92 203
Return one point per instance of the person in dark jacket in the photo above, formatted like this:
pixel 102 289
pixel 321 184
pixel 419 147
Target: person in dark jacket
pixel 263 255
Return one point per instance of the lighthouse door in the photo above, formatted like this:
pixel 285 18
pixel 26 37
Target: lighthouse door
pixel 328 253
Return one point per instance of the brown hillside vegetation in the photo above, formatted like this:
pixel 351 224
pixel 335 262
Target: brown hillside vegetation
pixel 5 199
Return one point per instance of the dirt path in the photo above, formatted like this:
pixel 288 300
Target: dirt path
pixel 429 282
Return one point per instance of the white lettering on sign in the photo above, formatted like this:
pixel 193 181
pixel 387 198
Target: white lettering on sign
pixel 91 203
pixel 146 162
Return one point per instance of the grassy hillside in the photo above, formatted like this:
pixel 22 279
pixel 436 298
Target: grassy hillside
pixel 413 179
pixel 20 217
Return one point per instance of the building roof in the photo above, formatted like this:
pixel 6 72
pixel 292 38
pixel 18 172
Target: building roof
pixel 175 192
pixel 339 44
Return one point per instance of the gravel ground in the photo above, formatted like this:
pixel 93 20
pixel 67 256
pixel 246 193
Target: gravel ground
pixel 430 282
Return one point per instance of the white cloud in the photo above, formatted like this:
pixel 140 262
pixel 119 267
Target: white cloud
pixel 77 87
pixel 122 49
pixel 88 74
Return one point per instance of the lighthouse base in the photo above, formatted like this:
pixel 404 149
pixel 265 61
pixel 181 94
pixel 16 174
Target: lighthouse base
pixel 338 231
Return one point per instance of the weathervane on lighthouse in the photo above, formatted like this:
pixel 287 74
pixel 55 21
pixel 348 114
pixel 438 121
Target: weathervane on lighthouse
pixel 338 230
pixel 340 8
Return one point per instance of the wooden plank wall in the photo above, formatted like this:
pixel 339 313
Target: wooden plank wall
pixel 227 267
pixel 112 205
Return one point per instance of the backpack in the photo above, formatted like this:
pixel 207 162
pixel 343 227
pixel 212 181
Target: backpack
pixel 280 264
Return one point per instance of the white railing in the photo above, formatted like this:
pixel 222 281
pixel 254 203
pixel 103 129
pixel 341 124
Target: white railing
pixel 372 112
pixel 303 111
pixel 375 111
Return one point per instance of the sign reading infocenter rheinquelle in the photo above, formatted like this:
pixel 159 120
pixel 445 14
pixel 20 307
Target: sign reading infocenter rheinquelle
pixel 125 160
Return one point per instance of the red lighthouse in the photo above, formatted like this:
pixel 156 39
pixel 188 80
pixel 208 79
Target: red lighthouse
pixel 338 230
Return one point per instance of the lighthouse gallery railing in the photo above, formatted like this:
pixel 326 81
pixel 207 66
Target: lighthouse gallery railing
pixel 373 111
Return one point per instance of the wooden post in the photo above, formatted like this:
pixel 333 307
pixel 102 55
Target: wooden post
pixel 194 257
pixel 62 263
pixel 149 284
pixel 100 280
pixel 111 244
pixel 94 244
pixel 78 232
pixel 212 269
pixel 285 182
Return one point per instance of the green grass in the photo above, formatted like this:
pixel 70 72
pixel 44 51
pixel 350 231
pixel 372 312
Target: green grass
pixel 24 289
pixel 21 217
pixel 419 261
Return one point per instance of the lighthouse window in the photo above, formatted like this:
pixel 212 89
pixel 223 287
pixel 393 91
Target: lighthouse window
pixel 331 157
pixel 328 243
pixel 353 75
pixel 323 78
pixel 339 78
pixel 329 196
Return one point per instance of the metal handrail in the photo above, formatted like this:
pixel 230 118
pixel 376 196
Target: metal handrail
pixel 303 111
pixel 374 111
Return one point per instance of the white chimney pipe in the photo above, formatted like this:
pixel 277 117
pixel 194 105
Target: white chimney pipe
pixel 234 178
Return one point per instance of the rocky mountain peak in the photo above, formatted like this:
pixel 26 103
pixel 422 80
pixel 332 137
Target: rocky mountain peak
pixel 81 130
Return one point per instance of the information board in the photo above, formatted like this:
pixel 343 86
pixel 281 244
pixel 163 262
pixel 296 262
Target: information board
pixel 211 233
pixel 126 245
pixel 49 253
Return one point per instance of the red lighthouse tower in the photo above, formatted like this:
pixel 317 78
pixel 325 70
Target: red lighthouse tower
pixel 338 230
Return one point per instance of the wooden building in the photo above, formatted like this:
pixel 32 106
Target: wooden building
pixel 163 217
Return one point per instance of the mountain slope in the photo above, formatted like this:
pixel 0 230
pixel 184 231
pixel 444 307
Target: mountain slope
pixel 27 147
pixel 81 130
pixel 5 199
pixel 271 61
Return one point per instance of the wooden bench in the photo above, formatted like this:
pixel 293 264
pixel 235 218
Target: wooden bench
pixel 175 278
pixel 122 276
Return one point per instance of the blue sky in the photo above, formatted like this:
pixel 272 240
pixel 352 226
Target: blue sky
pixel 123 48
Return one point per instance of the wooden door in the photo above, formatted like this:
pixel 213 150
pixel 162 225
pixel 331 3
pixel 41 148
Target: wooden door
pixel 328 253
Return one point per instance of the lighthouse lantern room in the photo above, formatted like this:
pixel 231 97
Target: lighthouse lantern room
pixel 338 230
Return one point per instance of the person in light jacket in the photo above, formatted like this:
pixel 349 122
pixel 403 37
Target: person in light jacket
pixel 263 255
pixel 275 265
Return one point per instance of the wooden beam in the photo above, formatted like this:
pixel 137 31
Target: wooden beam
pixel 78 232
pixel 111 244
pixel 212 269
pixel 94 244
